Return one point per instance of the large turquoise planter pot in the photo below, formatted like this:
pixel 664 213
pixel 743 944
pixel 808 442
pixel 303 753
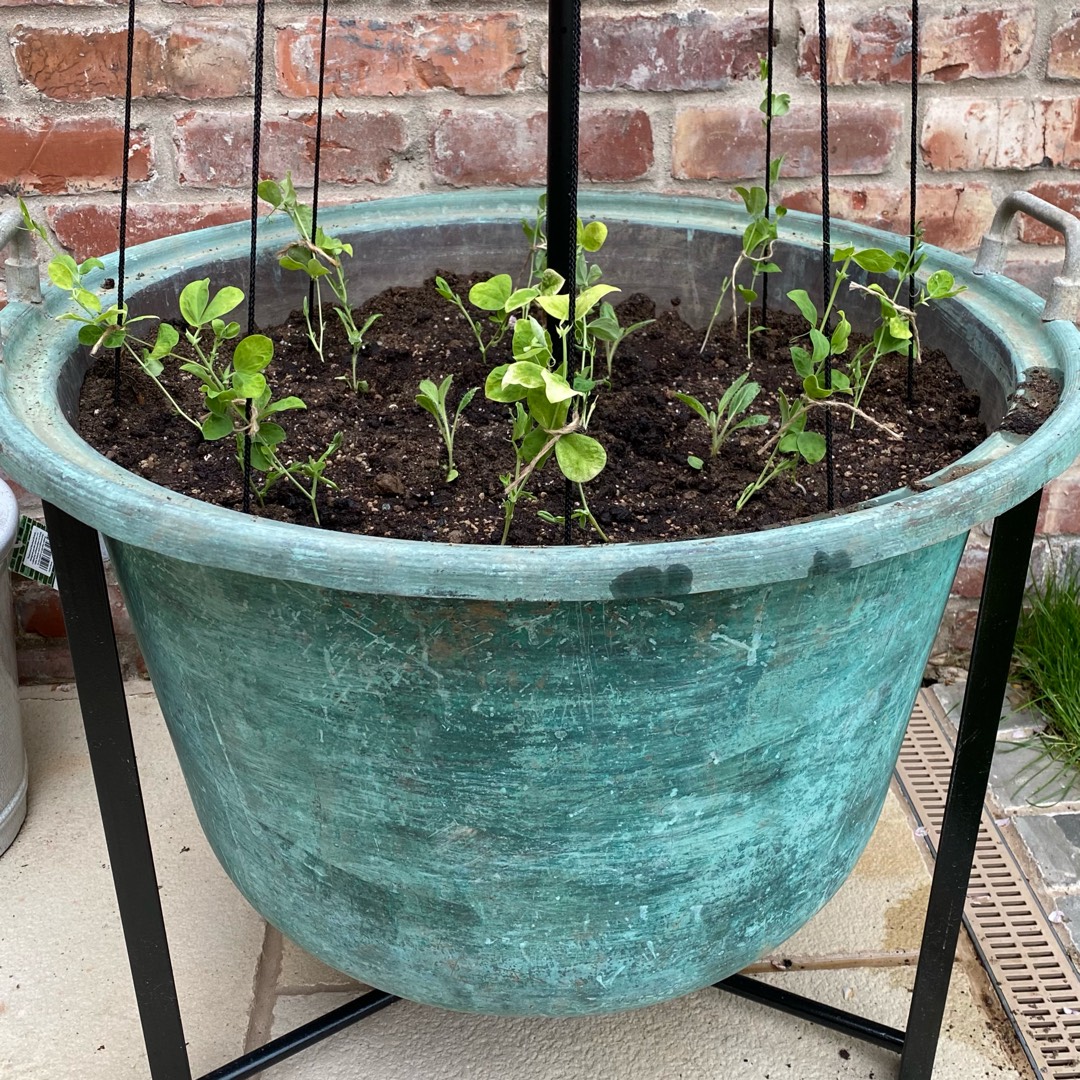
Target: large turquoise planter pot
pixel 530 781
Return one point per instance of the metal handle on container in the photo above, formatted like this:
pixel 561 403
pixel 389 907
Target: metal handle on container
pixel 1064 299
pixel 21 271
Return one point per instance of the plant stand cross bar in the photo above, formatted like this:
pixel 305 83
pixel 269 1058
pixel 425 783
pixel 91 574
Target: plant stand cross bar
pixel 85 602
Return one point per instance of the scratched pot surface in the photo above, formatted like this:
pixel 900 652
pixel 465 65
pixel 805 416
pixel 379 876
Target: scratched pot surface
pixel 537 808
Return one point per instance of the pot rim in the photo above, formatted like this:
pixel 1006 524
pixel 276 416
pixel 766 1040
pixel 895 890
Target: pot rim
pixel 42 452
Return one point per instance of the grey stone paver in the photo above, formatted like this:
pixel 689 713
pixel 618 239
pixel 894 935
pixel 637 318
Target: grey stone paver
pixel 1054 853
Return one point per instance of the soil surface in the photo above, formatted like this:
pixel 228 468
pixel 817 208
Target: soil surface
pixel 391 469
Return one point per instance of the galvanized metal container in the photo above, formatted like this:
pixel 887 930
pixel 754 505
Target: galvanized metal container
pixel 537 781
pixel 13 777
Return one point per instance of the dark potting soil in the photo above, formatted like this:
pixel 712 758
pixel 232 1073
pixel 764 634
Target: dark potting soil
pixel 391 469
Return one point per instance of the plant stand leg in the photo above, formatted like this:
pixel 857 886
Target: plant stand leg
pixel 991 653
pixel 85 601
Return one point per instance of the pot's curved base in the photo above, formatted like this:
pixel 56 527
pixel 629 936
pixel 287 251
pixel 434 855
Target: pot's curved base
pixel 538 808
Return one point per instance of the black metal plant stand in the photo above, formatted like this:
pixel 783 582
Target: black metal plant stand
pixel 85 601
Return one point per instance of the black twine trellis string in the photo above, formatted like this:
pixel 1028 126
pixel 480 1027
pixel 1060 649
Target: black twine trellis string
pixel 913 190
pixel 256 140
pixel 318 139
pixel 564 74
pixel 826 239
pixel 769 49
pixel 124 183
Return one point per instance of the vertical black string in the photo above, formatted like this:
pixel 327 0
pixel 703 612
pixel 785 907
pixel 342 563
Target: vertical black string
pixel 768 149
pixel 826 253
pixel 564 76
pixel 914 155
pixel 318 140
pixel 256 146
pixel 124 183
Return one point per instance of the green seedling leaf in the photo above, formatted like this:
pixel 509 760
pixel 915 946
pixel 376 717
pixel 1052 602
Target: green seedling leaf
pixel 63 272
pixel 531 340
pixel 90 264
pixel 167 340
pixel 692 403
pixel 558 307
pixel 520 298
pixel 87 300
pixel 874 260
pixel 551 282
pixel 556 388
pixel 283 405
pixel 491 295
pixel 249 386
pixel 443 289
pixel 193 300
pixel 270 434
pixel 253 354
pixel 226 299
pixel 821 346
pixel 524 373
pixel 839 341
pixel 588 298
pixel 495 391
pixel 941 285
pixel 746 293
pixel 803 361
pixel 592 236
pixel 811 446
pixel 90 334
pixel 754 199
pixel 580 457
pixel 270 191
pixel 801 299
pixel 216 426
pixel 695 462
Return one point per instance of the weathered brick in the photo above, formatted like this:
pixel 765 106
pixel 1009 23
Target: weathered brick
pixel 87 230
pixel 51 156
pixel 1007 133
pixel 483 54
pixel 195 59
pixel 1063 61
pixel 60 3
pixel 970 572
pixel 727 142
pixel 214 149
pixel 1061 516
pixel 37 610
pixel 875 46
pixel 487 147
pixel 1063 193
pixel 695 51
pixel 952 217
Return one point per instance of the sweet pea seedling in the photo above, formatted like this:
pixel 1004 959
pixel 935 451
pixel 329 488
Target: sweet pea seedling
pixel 319 257
pixel 725 420
pixel 432 398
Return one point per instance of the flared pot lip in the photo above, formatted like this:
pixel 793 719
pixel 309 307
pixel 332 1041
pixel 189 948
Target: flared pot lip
pixel 40 450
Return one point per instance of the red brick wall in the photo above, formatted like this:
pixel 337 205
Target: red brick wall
pixel 423 98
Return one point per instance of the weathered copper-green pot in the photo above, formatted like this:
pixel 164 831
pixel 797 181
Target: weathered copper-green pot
pixel 533 781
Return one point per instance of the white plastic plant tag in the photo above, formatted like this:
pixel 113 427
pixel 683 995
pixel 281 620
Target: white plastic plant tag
pixel 31 557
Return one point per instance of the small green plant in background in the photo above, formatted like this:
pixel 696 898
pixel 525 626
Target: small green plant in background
pixel 319 257
pixel 725 419
pixel 760 233
pixel 490 296
pixel 1046 660
pixel 432 398
pixel 791 444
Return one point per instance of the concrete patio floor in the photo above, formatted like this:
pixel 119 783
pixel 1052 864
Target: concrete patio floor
pixel 67 1009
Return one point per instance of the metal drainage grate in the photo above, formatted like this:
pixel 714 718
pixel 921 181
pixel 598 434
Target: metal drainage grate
pixel 1030 970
